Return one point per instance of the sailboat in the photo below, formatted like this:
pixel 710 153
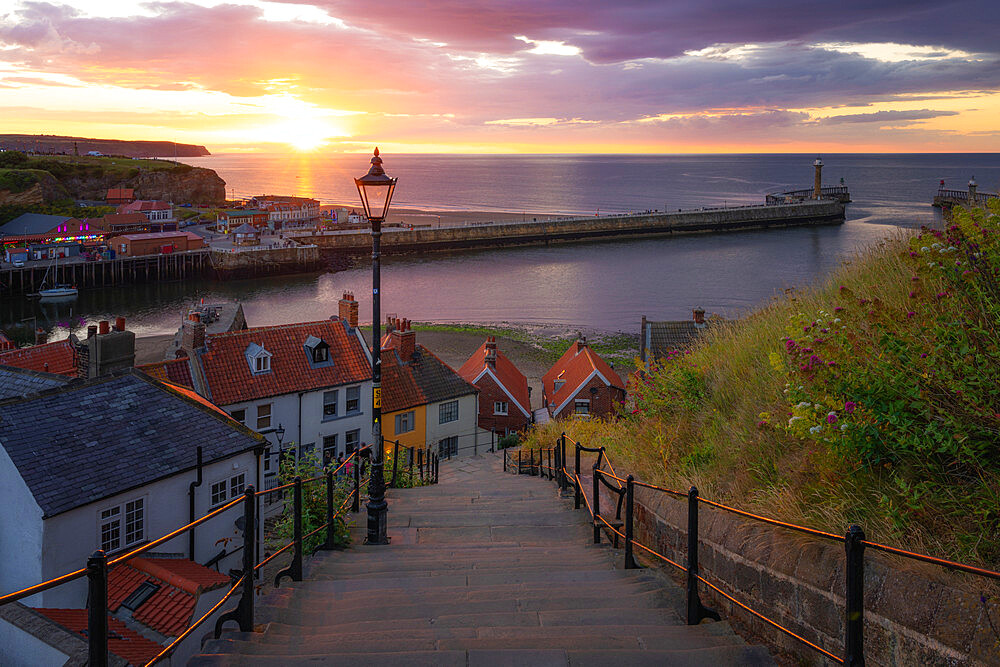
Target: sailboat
pixel 59 291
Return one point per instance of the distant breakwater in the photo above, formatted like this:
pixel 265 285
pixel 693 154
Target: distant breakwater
pixel 704 221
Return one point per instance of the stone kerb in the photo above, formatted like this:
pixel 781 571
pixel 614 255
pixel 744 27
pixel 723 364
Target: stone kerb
pixel 913 614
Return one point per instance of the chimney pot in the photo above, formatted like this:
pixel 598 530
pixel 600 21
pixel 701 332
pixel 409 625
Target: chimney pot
pixel 120 324
pixel 91 331
pixel 105 327
pixel 699 315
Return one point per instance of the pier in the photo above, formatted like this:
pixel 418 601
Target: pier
pixel 703 221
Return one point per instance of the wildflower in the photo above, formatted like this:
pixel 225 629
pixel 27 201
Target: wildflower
pixel 837 321
pixel 816 429
pixel 925 249
pixel 913 254
pixel 831 418
pixel 942 295
pixel 923 355
pixel 910 314
pixel 831 364
pixel 802 404
pixel 850 407
pixel 915 278
pixel 843 427
pixel 814 359
pixel 913 295
pixel 838 309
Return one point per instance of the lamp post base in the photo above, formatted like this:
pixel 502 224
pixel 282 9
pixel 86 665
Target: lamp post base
pixel 377 520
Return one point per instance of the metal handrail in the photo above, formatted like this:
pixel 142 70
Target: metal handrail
pixel 191 628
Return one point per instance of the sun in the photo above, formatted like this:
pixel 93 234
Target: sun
pixel 302 134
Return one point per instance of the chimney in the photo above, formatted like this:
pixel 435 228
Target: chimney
pixel 581 342
pixel 349 309
pixel 491 352
pixel 105 351
pixel 193 333
pixel 404 339
pixel 41 337
pixel 699 317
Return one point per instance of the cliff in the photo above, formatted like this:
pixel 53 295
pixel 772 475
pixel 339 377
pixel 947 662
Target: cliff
pixel 42 143
pixel 49 178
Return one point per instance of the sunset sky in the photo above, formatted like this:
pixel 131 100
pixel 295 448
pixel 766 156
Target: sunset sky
pixel 569 76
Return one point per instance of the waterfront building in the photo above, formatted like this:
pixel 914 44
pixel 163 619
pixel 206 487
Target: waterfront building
pixel 119 196
pixel 582 384
pixel 426 403
pixel 661 340
pixel 230 220
pixel 504 394
pixel 284 211
pixel 156 243
pixel 109 463
pixel 154 210
pixel 34 236
pixel 131 223
pixel 246 234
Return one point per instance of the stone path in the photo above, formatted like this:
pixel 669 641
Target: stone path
pixel 483 569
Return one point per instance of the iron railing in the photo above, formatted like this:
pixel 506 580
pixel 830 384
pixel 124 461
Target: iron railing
pixel 99 565
pixel 854 540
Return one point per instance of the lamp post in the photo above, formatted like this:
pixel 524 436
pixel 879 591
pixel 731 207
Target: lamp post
pixel 375 189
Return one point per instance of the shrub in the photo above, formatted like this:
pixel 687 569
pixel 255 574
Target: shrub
pixel 12 159
pixel 313 502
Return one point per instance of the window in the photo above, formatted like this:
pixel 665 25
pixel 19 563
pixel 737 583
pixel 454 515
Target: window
pixel 239 415
pixel 262 364
pixel 219 493
pixel 352 439
pixel 329 448
pixel 320 354
pixel 448 412
pixel 237 484
pixel 307 449
pixel 258 358
pixel 500 407
pixel 557 385
pixel 353 400
pixel 329 404
pixel 448 446
pixel 405 422
pixel 263 416
pixel 140 595
pixel 318 351
pixel 582 407
pixel 122 525
pixel 228 489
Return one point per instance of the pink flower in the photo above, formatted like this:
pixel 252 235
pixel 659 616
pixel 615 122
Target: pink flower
pixel 831 418
pixel 849 407
pixel 838 309
pixel 913 295
pixel 910 314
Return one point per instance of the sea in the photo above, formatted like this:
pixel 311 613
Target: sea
pixel 605 286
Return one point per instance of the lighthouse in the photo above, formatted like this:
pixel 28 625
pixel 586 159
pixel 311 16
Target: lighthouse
pixel 818 182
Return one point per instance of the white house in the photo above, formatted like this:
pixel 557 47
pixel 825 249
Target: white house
pixel 112 463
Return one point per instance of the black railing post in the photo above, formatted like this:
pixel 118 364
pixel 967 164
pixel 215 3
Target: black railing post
pixel 243 613
pixel 97 609
pixel 597 505
pixel 696 611
pixel 356 505
pixel 505 460
pixel 630 563
pixel 437 468
pixel 558 470
pixel 409 463
pixel 854 639
pixel 395 462
pixel 420 463
pixel 330 542
pixel 294 570
pixel 576 499
pixel 518 461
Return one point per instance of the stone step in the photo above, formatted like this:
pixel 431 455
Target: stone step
pixel 542 569
pixel 473 579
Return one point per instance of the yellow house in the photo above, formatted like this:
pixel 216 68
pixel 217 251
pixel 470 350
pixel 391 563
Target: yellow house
pixel 425 402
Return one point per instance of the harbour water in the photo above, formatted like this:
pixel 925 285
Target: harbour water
pixel 602 285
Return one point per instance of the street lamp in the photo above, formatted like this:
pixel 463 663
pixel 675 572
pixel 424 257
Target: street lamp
pixel 375 189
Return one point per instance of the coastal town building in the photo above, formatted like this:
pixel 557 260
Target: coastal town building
pixel 582 384
pixel 110 462
pixel 313 379
pixel 285 211
pixel 119 196
pixel 246 234
pixel 154 210
pixel 57 358
pixel 231 220
pixel 157 243
pixel 131 223
pixel 425 403
pixel 504 394
pixel 34 236
pixel 663 339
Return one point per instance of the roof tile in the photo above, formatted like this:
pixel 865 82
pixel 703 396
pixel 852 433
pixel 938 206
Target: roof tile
pixel 58 357
pixel 575 366
pixel 505 372
pixel 122 640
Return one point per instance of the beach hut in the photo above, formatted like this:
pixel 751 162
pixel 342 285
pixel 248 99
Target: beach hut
pixel 246 234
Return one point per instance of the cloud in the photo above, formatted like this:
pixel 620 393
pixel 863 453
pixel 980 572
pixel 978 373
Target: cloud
pixel 888 117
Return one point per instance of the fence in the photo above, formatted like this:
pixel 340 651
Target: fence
pixel 551 464
pixel 98 565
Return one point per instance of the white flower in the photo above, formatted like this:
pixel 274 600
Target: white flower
pixel 935 245
pixel 802 404
pixel 925 249
pixel 816 429
pixel 952 248
pixel 837 321
pixel 843 427
pixel 932 264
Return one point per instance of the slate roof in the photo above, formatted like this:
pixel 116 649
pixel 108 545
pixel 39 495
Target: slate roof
pixel 117 219
pixel 227 373
pixel 504 371
pixel 58 357
pixel 122 640
pixel 420 380
pixel 16 382
pixel 93 439
pixel 176 371
pixel 246 228
pixel 32 223
pixel 169 610
pixel 575 366
pixel 662 338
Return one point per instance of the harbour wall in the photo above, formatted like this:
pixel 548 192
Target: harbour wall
pixel 251 262
pixel 822 212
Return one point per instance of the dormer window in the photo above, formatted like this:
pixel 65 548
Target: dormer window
pixel 317 352
pixel 258 358
pixel 558 384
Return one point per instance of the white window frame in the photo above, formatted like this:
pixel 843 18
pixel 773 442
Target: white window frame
pixel 348 400
pixel 501 408
pixel 581 402
pixel 335 395
pixel 231 489
pixel 268 416
pixel 410 416
pixel 121 509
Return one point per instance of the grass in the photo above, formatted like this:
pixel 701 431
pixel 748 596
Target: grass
pixel 871 398
pixel 19 180
pixel 86 165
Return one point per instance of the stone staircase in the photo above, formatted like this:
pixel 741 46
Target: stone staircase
pixel 483 569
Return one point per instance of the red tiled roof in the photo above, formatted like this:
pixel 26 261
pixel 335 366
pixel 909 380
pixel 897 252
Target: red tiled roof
pixel 144 205
pixel 504 371
pixel 169 610
pixel 6 343
pixel 575 366
pixel 122 641
pixel 125 219
pixel 227 371
pixel 175 371
pixel 421 380
pixel 58 357
pixel 195 396
pixel 120 193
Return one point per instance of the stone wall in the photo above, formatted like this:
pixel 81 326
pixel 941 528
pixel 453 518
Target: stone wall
pixel 265 261
pixel 915 613
pixel 582 229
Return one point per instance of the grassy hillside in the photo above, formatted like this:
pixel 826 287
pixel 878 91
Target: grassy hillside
pixel 85 166
pixel 873 397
